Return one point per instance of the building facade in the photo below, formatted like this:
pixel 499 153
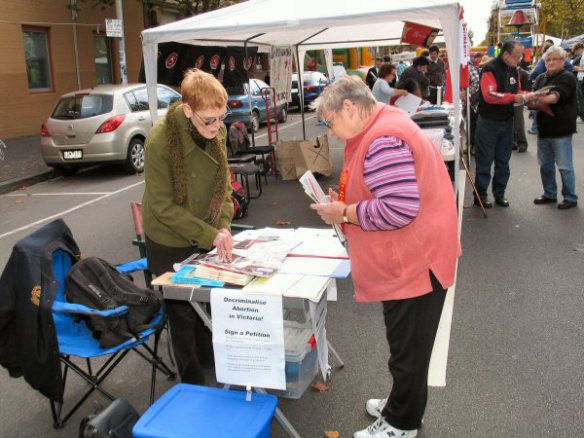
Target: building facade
pixel 47 50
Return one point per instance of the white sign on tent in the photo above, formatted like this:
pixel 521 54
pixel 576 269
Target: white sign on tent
pixel 281 72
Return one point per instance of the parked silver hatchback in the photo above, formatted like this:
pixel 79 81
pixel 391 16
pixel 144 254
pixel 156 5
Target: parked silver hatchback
pixel 108 123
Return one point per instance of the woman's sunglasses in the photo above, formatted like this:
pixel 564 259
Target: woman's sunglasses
pixel 208 121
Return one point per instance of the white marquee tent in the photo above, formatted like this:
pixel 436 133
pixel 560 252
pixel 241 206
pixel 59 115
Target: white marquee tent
pixel 310 25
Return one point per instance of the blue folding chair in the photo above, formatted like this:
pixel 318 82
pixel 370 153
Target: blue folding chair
pixel 76 339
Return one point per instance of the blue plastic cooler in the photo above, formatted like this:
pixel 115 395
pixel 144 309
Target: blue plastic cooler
pixel 200 412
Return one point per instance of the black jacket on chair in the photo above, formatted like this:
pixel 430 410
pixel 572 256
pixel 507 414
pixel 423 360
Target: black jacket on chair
pixel 28 340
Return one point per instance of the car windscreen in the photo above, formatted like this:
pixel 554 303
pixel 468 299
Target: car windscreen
pixel 236 90
pixel 83 106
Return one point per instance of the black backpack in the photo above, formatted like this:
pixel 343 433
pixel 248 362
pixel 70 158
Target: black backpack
pixel 95 283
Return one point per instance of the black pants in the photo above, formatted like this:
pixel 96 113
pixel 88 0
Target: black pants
pixel 520 138
pixel 191 340
pixel 411 326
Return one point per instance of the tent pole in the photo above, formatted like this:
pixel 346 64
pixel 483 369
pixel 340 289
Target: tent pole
pixel 301 92
pixel 249 98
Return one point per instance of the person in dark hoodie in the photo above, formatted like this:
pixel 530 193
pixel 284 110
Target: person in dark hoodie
pixel 187 203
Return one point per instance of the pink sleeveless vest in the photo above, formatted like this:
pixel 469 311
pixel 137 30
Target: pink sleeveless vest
pixel 394 265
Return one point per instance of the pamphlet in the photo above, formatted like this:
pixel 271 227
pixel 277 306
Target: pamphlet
pixel 315 192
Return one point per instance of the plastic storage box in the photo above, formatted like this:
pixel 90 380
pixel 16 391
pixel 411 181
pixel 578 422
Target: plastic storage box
pixel 191 411
pixel 301 360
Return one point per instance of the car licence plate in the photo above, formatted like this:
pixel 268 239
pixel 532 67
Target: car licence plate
pixel 76 154
pixel 294 90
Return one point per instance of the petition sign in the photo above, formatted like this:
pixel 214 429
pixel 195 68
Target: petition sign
pixel 248 339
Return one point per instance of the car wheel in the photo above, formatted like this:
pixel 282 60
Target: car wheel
pixel 135 159
pixel 283 114
pixel 255 121
pixel 68 170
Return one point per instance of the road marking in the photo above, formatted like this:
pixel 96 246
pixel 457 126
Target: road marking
pixel 439 361
pixel 287 125
pixel 16 195
pixel 70 210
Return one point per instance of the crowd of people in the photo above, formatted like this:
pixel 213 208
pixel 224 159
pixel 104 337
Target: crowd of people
pixel 500 88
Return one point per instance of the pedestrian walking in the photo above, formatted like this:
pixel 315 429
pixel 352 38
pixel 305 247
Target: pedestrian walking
pixel 397 208
pixel 554 99
pixel 500 89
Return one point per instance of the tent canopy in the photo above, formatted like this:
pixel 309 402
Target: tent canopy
pixel 313 25
pixel 308 25
pixel 567 44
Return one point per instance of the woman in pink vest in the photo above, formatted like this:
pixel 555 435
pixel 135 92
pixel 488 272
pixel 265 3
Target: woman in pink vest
pixel 398 210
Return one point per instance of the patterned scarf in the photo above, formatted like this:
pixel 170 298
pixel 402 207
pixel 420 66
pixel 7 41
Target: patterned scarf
pixel 215 147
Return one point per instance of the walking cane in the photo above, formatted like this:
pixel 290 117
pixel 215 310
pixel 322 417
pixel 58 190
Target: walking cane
pixel 476 192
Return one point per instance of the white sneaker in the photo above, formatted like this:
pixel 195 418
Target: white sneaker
pixel 579 120
pixel 382 429
pixel 374 406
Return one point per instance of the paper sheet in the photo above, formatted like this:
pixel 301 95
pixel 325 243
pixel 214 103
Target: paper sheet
pixel 310 266
pixel 409 103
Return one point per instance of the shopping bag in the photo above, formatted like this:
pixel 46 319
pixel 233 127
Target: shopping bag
pixel 287 153
pixel 314 156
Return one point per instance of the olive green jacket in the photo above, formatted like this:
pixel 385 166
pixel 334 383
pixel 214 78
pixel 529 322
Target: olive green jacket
pixel 166 222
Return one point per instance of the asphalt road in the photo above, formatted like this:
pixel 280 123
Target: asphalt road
pixel 516 345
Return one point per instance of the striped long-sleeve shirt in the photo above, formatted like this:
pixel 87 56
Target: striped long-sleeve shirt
pixel 390 175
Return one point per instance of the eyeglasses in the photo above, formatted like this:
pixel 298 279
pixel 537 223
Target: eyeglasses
pixel 208 121
pixel 328 123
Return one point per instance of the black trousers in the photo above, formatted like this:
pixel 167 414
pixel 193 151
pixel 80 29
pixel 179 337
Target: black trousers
pixel 411 326
pixel 192 341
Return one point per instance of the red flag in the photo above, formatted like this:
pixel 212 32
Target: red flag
pixel 448 95
pixel 418 34
pixel 465 52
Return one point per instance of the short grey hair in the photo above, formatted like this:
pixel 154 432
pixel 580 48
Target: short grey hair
pixel 555 50
pixel 348 87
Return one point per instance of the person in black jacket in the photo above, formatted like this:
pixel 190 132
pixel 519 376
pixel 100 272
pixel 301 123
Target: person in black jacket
pixel 555 100
pixel 373 73
pixel 417 71
pixel 28 288
pixel 500 89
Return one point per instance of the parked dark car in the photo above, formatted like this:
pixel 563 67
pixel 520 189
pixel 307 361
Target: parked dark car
pixel 313 83
pixel 239 104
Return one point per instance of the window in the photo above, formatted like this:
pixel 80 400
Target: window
pixel 38 60
pixel 255 90
pixel 137 99
pixel 103 60
pixel 167 97
pixel 83 106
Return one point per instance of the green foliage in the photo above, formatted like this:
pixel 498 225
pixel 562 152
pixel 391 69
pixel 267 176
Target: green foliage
pixel 186 7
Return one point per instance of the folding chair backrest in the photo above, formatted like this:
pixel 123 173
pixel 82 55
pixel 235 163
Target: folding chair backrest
pixel 65 324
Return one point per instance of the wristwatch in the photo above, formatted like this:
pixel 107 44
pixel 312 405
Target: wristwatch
pixel 345 217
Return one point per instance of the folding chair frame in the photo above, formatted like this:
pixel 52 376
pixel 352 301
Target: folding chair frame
pixel 95 380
